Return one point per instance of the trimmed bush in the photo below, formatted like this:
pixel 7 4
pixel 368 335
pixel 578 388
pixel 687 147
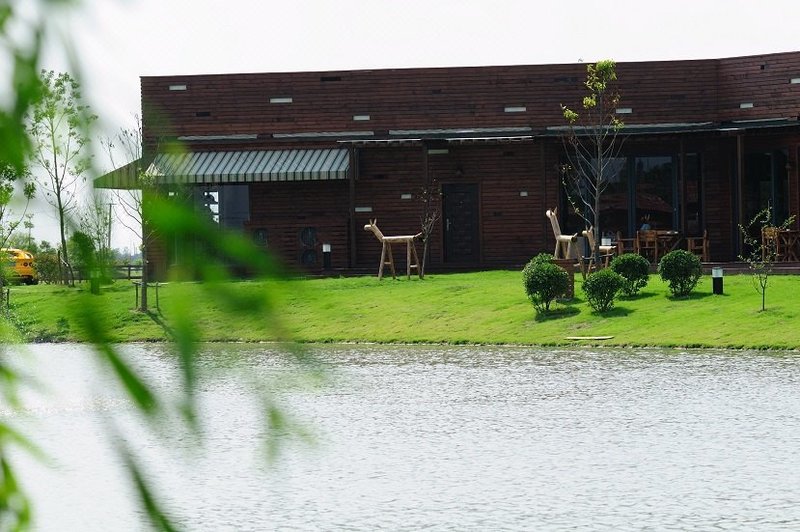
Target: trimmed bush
pixel 544 281
pixel 681 270
pixel 601 288
pixel 542 258
pixel 634 269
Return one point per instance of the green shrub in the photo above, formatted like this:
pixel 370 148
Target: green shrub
pixel 542 258
pixel 681 270
pixel 544 281
pixel 634 269
pixel 601 287
pixel 47 267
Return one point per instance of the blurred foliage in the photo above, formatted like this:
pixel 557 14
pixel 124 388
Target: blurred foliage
pixel 44 122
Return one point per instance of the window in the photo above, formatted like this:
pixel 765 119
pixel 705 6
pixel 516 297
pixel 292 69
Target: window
pixel 654 193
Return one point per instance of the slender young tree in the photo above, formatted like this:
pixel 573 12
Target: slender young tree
pixel 59 127
pixel 127 143
pixel 28 224
pixel 430 196
pixel 763 252
pixel 592 143
pixel 94 222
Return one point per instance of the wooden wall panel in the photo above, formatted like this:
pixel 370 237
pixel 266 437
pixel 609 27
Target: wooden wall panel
pixel 424 98
pixel 513 227
pixel 284 209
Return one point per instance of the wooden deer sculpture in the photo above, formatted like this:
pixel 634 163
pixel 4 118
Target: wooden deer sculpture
pixel 386 249
pixel 563 242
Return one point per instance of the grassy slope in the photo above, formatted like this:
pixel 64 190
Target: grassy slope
pixel 485 307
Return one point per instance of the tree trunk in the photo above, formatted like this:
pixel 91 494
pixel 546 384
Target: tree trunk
pixel 145 278
pixel 69 277
pixel 424 258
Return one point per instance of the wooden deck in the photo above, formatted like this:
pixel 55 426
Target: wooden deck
pixel 779 268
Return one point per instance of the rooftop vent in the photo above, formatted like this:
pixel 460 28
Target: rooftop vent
pixel 624 110
pixel 795 81
pixel 280 99
pixel 178 87
pixel 515 109
pixel 361 118
pixel 746 105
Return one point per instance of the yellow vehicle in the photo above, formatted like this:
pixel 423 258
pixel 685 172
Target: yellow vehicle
pixel 19 266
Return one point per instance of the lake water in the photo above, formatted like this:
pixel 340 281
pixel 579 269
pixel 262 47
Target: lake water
pixel 438 438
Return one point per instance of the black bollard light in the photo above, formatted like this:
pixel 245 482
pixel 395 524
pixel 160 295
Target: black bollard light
pixel 716 280
pixel 326 256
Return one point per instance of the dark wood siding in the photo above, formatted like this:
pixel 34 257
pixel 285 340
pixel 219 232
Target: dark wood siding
pixel 396 99
pixel 285 209
pixel 517 180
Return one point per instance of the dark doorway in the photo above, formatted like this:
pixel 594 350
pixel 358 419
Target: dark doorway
pixel 460 220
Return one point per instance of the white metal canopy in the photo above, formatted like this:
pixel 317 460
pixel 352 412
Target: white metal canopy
pixel 235 167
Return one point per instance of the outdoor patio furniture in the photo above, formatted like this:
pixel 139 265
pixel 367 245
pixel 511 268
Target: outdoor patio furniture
pixel 564 243
pixel 655 243
pixel 698 245
pixel 647 245
pixel 770 241
pixel 588 262
pixel 386 250
pixel 625 245
pixel 789 243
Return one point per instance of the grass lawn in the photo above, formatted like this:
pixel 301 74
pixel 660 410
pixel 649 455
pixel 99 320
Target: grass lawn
pixel 481 308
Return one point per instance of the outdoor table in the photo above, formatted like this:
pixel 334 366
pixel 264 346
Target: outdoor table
pixel 667 241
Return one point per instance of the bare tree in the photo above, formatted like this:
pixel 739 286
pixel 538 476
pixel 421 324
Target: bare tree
pixel 128 143
pixel 592 145
pixel 430 195
pixel 94 220
pixel 59 126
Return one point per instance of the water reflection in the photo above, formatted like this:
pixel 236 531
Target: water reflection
pixel 455 438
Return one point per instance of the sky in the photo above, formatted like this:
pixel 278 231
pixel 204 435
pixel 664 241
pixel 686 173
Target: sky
pixel 117 41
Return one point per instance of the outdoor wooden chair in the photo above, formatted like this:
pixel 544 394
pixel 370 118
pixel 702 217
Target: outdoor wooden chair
pixel 588 262
pixel 698 245
pixel 770 241
pixel 564 243
pixel 647 245
pixel 789 244
pixel 625 245
pixel 386 250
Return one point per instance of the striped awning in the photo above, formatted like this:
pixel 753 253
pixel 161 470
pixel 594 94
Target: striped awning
pixel 237 167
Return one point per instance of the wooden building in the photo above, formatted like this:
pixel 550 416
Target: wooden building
pixel 302 159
